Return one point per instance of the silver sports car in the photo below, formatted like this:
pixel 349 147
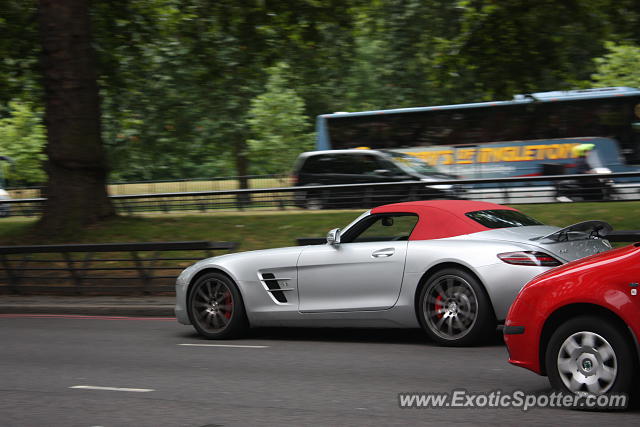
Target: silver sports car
pixel 451 267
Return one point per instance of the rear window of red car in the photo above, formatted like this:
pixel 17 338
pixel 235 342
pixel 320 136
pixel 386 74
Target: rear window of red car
pixel 502 218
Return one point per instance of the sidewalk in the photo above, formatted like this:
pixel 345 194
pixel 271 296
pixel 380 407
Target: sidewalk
pixel 93 305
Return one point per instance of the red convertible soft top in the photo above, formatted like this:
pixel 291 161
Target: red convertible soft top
pixel 439 219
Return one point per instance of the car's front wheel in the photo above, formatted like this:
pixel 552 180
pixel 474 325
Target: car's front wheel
pixel 215 306
pixel 454 310
pixel 588 354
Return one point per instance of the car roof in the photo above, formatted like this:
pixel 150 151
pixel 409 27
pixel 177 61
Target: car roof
pixel 361 151
pixel 439 219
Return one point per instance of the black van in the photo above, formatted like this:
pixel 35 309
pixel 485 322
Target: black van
pixel 358 166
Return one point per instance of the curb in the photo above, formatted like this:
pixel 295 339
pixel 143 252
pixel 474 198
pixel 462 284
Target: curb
pixel 98 306
pixel 90 310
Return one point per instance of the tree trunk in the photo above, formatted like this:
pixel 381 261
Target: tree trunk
pixel 77 167
pixel 242 169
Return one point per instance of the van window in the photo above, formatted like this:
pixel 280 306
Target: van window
pixel 359 164
pixel 317 164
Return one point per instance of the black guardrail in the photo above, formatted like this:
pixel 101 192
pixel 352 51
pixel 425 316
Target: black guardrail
pixel 623 236
pixel 75 268
pixel 512 190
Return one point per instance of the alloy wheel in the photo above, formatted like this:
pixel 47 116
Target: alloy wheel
pixel 451 307
pixel 213 305
pixel 587 363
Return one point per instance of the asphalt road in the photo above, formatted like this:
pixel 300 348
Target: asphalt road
pixel 52 368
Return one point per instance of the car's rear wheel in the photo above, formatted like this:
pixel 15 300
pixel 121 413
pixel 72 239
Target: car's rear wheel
pixel 588 354
pixel 454 309
pixel 216 309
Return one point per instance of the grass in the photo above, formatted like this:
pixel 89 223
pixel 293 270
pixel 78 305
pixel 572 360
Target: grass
pixel 275 228
pixel 196 185
pixel 172 186
pixel 250 230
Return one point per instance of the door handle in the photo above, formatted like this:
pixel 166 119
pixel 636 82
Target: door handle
pixel 383 253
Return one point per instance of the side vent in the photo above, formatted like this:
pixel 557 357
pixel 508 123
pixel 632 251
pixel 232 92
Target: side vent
pixel 274 287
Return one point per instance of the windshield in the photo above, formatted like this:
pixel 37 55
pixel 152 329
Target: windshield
pixel 593 160
pixel 502 218
pixel 410 163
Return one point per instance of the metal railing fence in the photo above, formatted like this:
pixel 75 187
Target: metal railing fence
pixel 121 268
pixel 514 190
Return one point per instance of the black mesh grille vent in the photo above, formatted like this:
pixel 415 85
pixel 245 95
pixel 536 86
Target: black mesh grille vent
pixel 272 284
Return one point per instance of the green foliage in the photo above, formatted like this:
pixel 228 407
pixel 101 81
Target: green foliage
pixel 22 137
pixel 180 79
pixel 619 67
pixel 159 118
pixel 399 45
pixel 279 127
pixel 19 51
pixel 519 46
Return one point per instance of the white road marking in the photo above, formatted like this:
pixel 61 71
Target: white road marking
pixel 226 345
pixel 95 387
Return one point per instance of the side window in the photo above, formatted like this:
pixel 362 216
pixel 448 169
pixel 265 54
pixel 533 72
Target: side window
pixel 382 228
pixel 318 164
pixel 355 164
pixel 367 164
pixel 391 167
pixel 343 164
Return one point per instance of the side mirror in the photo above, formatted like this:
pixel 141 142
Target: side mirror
pixel 333 236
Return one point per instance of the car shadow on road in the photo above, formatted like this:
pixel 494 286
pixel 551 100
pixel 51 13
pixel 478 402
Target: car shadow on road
pixel 356 335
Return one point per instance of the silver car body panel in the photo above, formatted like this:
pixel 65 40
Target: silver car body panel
pixel 374 284
pixel 327 281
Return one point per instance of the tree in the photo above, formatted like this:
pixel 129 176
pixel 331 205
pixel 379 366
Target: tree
pixel 76 167
pixel 398 48
pixel 19 51
pixel 22 137
pixel 519 46
pixel 177 77
pixel 278 124
pixel 619 67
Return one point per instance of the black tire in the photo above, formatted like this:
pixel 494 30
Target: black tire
pixel 454 310
pixel 588 362
pixel 313 202
pixel 216 309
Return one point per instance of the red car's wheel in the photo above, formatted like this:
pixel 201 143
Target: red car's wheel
pixel 590 355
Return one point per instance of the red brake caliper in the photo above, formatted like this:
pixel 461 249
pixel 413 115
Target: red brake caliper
pixel 229 302
pixel 438 306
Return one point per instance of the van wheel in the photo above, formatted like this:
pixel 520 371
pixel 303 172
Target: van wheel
pixel 313 202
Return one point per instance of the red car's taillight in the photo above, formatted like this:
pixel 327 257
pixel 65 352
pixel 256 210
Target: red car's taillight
pixel 529 258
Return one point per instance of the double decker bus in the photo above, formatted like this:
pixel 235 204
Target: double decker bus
pixel 500 138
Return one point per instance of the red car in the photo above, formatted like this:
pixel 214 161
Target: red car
pixel 579 324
